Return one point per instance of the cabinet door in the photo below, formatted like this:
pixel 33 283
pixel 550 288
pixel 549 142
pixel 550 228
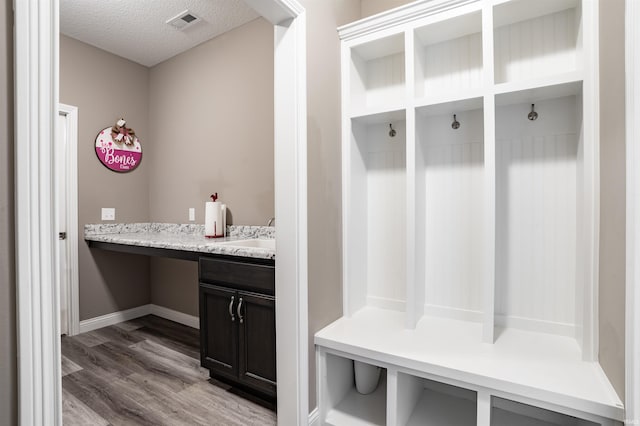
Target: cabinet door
pixel 257 341
pixel 218 330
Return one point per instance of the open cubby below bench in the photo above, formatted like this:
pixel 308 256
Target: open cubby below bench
pixel 541 370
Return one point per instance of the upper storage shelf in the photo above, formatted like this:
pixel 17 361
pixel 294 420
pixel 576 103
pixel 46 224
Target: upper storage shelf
pixel 378 73
pixel 448 56
pixel 534 39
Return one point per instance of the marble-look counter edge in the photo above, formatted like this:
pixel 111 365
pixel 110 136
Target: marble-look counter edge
pixel 153 237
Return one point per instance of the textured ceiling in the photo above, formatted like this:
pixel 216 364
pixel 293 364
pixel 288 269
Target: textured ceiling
pixel 136 29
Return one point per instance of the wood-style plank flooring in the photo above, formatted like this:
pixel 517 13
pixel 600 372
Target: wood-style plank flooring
pixel 147 372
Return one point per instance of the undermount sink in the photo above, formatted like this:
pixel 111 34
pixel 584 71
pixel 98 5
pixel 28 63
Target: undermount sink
pixel 269 244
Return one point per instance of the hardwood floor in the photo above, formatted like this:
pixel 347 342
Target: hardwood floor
pixel 147 372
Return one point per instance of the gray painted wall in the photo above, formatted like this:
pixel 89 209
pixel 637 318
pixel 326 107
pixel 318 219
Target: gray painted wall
pixel 104 88
pixel 371 7
pixel 8 368
pixel 324 165
pixel 612 192
pixel 211 116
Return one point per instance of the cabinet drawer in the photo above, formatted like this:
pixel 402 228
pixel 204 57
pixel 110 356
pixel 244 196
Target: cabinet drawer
pixel 242 276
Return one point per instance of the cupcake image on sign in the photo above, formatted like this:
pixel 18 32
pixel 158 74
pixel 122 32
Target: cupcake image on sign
pixel 118 148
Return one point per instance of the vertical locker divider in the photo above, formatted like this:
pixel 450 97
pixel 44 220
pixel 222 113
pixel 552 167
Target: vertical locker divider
pixel 322 387
pixel 345 52
pixel 412 308
pixel 484 408
pixel 411 389
pixel 591 204
pixel 490 177
pixel 392 397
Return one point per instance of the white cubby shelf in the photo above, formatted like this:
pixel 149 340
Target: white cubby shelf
pixel 541 369
pixel 344 405
pixel 470 252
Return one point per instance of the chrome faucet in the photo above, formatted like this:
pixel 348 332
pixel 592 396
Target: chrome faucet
pixel 273 219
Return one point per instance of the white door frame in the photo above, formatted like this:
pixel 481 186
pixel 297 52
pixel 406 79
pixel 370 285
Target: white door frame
pixel 36 107
pixel 71 224
pixel 632 309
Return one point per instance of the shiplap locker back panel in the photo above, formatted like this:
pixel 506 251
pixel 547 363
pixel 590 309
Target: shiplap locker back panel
pixel 453 258
pixel 448 56
pixel 536 197
pixel 532 47
pixel 386 209
pixel 378 73
pixel 376 234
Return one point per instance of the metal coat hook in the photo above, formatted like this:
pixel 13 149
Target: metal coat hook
pixel 456 124
pixel 533 115
pixel 392 131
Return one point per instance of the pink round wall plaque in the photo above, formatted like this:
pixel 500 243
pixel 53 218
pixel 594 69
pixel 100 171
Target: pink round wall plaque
pixel 122 155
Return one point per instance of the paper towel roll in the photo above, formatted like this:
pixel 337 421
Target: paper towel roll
pixel 214 219
pixel 209 219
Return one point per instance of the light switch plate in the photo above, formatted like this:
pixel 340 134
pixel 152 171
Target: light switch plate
pixel 108 213
pixel 192 213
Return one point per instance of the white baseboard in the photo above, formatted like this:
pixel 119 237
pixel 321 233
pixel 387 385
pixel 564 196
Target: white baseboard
pixel 179 317
pixel 140 311
pixel 114 318
pixel 536 325
pixel 314 417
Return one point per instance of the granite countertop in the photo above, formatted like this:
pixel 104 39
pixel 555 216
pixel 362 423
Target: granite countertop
pixel 182 237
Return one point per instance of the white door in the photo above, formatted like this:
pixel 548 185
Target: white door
pixel 61 161
pixel 65 194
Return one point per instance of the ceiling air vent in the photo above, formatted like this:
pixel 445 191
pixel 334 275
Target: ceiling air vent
pixel 183 20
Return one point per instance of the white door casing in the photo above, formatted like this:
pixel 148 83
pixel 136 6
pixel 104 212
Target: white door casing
pixel 36 46
pixel 36 107
pixel 66 171
pixel 60 197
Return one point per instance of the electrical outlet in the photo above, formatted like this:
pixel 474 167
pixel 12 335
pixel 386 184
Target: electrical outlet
pixel 108 213
pixel 192 213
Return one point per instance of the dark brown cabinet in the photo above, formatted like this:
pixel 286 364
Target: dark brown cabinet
pixel 237 323
pixel 218 336
pixel 257 342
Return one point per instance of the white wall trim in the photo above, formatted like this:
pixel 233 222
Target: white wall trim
pixel 36 104
pixel 632 313
pixel 290 177
pixel 290 154
pixel 175 316
pixel 36 108
pixel 536 325
pixel 114 318
pixel 71 113
pixel 137 312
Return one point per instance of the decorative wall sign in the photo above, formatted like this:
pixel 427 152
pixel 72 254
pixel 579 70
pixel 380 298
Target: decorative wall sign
pixel 118 147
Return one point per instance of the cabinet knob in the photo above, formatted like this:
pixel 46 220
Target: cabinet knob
pixel 233 318
pixel 239 311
